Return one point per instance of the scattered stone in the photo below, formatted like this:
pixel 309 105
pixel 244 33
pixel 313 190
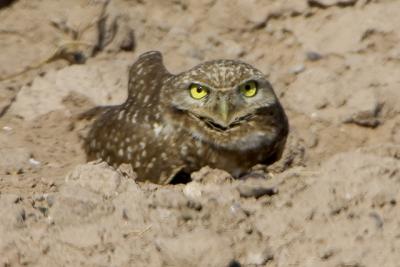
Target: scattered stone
pixel 327 253
pixel 34 162
pixel 259 256
pixel 167 198
pixel 377 219
pixel 396 133
pixel 20 217
pixel 297 69
pixel 50 200
pixel 249 191
pixel 100 216
pixel 237 210
pixel 187 215
pixel 329 3
pixel 365 119
pixel 363 109
pixel 256 188
pixel 313 56
pixel 195 205
pixel 128 43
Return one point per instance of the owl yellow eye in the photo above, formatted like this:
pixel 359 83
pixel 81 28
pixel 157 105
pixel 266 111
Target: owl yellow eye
pixel 248 89
pixel 197 91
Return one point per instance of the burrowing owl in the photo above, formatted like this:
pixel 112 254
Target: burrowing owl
pixel 221 113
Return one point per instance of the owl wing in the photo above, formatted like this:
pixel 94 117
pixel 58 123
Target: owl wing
pixel 117 134
pixel 147 75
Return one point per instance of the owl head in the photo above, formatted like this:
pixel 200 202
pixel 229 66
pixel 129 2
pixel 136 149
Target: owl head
pixel 225 103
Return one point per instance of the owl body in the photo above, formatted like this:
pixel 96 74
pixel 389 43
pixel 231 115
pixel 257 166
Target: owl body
pixel 223 114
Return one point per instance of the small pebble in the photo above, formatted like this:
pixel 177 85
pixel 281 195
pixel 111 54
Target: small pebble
pixel 327 254
pixel 34 162
pixel 259 257
pixel 50 220
pixel 237 210
pixel 50 200
pixel 20 217
pixel 313 56
pixel 194 205
pixel 328 3
pixel 186 215
pixel 125 214
pixel 377 219
pixel 297 69
pixel 128 43
pixel 256 191
pixel 43 210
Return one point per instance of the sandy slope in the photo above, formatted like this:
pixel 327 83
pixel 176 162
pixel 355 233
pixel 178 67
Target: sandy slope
pixel 332 201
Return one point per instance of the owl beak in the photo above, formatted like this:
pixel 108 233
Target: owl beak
pixel 224 110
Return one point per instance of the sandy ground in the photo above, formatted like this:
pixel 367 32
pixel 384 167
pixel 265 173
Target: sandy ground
pixel 331 201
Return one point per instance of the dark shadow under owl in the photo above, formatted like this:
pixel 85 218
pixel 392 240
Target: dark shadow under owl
pixel 222 113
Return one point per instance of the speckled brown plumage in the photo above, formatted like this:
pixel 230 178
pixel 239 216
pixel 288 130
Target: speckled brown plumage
pixel 161 129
